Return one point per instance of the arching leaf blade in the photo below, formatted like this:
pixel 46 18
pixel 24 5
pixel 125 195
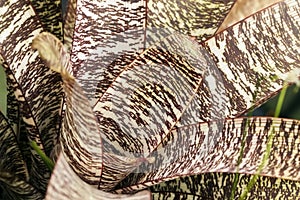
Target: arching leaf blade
pixel 38 105
pixel 14 175
pixel 65 184
pixel 256 53
pixel 50 15
pixel 187 152
pixel 218 186
pixel 80 138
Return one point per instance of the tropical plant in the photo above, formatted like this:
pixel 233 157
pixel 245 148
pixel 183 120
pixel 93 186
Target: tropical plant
pixel 143 99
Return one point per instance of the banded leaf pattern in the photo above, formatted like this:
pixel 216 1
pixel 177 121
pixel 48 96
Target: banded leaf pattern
pixel 38 90
pixel 185 153
pixel 218 186
pixel 65 184
pixel 107 35
pixel 49 12
pixel 197 18
pixel 143 104
pixel 248 57
pixel 80 138
pixel 69 24
pixel 14 176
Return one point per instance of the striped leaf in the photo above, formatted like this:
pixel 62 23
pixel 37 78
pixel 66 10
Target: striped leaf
pixel 37 89
pixel 248 59
pixel 219 186
pixel 15 120
pixel 69 23
pixel 80 138
pixel 65 184
pixel 157 91
pixel 108 35
pixel 186 153
pixel 50 15
pixel 14 176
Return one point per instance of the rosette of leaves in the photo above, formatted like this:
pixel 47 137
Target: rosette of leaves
pixel 143 99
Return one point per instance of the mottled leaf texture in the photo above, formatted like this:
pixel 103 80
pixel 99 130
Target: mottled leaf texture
pixel 49 12
pixel 37 89
pixel 65 184
pixel 80 136
pixel 249 56
pixel 242 9
pixel 199 18
pixel 15 120
pixel 69 24
pixel 218 186
pixel 14 177
pixel 186 153
pixel 109 34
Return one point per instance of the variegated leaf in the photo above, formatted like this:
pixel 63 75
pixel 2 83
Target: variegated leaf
pixel 243 9
pixel 219 186
pixel 50 15
pixel 186 153
pixel 37 89
pixel 199 18
pixel 248 56
pixel 149 97
pixel 14 176
pixel 69 23
pixel 80 137
pixel 15 120
pixel 65 184
pixel 108 35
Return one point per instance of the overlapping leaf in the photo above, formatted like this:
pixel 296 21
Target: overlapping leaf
pixel 108 35
pixel 158 88
pixel 149 100
pixel 80 137
pixel 248 56
pixel 37 89
pixel 65 184
pixel 219 186
pixel 145 102
pixel 186 153
pixel 50 15
pixel 14 176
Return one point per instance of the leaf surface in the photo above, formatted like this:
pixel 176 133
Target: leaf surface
pixel 50 15
pixel 37 89
pixel 14 175
pixel 109 35
pixel 249 58
pixel 188 153
pixel 218 186
pixel 65 184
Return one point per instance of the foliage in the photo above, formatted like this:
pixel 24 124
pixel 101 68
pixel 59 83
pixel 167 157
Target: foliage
pixel 143 99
